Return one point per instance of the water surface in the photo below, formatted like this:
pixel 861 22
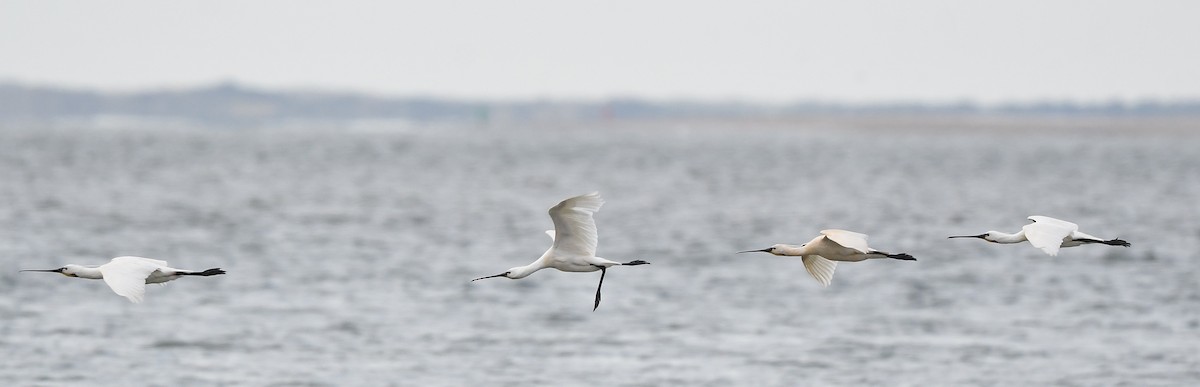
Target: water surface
pixel 349 255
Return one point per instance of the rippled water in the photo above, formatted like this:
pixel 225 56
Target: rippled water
pixel 349 255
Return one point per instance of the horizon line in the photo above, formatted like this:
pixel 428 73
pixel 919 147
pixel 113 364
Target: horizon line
pixel 230 84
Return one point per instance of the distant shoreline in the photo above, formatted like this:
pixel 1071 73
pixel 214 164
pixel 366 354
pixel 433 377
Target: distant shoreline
pixel 1187 126
pixel 232 105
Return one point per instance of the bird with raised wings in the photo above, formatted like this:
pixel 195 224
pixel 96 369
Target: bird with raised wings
pixel 574 248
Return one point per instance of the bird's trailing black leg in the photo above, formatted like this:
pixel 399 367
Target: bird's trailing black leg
pixel 635 263
pixel 206 273
pixel 1111 242
pixel 602 271
pixel 1116 242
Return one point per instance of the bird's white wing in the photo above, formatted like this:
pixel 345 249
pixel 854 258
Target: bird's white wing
pixel 550 233
pixel 131 258
pixel 820 268
pixel 1049 220
pixel 1048 233
pixel 574 228
pixel 127 276
pixel 848 239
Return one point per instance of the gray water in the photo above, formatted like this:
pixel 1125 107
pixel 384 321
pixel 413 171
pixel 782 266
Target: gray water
pixel 350 253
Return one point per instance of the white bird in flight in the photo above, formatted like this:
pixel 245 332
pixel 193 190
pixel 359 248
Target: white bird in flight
pixel 128 276
pixel 821 254
pixel 574 247
pixel 1047 234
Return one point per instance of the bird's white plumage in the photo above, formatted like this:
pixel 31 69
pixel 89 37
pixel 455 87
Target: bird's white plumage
pixel 1048 220
pixel 819 268
pixel 821 254
pixel 132 259
pixel 574 247
pixel 848 239
pixel 574 227
pixel 127 275
pixel 1048 234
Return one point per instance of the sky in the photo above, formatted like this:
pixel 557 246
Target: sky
pixel 755 51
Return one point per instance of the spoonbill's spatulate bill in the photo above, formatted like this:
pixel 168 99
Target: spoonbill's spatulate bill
pixel 820 255
pixel 574 247
pixel 1047 234
pixel 128 276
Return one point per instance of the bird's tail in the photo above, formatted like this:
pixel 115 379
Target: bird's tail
pixel 205 273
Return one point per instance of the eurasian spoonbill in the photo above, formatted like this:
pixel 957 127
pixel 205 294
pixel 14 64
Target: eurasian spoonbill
pixel 574 248
pixel 1047 234
pixel 821 255
pixel 128 276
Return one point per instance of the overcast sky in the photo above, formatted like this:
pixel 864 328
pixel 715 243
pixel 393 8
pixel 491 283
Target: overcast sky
pixel 767 51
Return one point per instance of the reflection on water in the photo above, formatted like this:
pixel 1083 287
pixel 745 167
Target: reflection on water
pixel 349 256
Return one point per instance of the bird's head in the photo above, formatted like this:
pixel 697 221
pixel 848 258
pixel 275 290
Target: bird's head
pixel 68 270
pixel 774 249
pixel 71 270
pixel 989 236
